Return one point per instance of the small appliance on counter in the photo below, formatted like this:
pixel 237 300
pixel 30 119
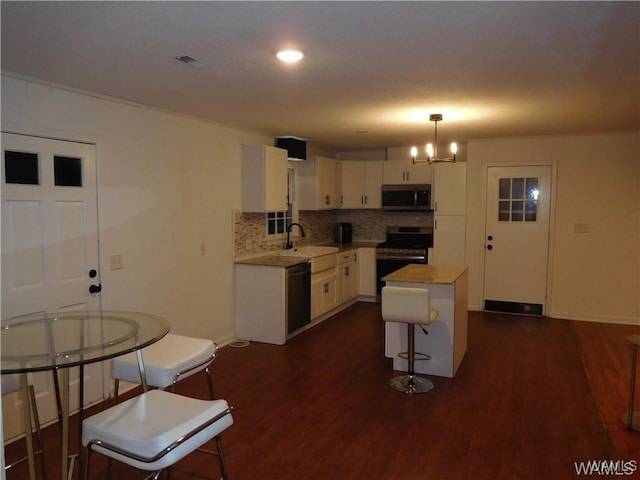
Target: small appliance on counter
pixel 343 233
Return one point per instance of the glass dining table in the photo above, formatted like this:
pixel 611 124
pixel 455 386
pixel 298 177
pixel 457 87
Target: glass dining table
pixel 57 341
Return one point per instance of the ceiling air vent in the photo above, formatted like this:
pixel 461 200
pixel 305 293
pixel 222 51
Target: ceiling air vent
pixel 297 147
pixel 192 62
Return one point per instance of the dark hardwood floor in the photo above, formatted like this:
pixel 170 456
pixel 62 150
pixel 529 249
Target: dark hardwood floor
pixel 532 396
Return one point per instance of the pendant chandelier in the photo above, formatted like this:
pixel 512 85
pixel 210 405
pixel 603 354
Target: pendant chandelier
pixel 432 149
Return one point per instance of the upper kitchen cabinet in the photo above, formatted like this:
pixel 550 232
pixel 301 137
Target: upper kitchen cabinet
pixel 396 172
pixel 450 188
pixel 361 182
pixel 318 184
pixel 264 178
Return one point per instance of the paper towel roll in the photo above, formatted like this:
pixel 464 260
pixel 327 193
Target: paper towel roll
pixel 407 305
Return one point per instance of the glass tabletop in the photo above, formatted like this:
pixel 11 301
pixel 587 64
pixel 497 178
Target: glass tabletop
pixel 46 341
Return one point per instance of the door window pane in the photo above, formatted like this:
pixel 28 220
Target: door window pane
pixel 517 188
pixel 21 167
pixel 512 206
pixel 505 188
pixel 67 171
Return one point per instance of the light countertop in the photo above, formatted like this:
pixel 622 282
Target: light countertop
pixel 276 260
pixel 417 273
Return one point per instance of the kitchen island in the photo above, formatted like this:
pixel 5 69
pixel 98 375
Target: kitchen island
pixel 446 342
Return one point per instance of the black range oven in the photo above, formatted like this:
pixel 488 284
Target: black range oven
pixel 403 246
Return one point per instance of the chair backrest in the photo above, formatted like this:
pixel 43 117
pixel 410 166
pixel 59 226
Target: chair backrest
pixel 406 305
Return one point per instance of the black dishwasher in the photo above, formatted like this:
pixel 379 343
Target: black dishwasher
pixel 298 291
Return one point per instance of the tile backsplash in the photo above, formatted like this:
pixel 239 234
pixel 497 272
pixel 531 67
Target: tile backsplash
pixel 368 225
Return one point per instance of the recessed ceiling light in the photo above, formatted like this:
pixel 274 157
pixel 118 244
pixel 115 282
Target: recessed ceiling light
pixel 290 56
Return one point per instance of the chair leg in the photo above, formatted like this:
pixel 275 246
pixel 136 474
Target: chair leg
pixel 116 387
pixel 221 459
pixel 207 371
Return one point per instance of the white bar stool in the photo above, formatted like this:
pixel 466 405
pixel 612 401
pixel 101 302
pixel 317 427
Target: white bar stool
pixel 156 429
pixel 166 362
pixel 11 384
pixel 411 306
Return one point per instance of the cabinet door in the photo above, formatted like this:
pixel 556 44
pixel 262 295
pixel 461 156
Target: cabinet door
pixel 394 172
pixel 450 189
pixel 419 173
pixel 367 271
pixel 449 240
pixel 328 171
pixel 372 184
pixel 275 179
pixel 353 173
pixel 264 178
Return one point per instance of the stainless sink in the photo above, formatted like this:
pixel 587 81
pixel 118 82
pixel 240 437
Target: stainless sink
pixel 309 251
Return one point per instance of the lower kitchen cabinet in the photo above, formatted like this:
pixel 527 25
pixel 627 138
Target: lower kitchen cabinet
pixel 324 292
pixel 347 276
pixel 260 304
pixel 366 263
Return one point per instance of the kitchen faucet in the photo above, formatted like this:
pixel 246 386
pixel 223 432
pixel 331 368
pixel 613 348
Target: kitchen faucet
pixel 289 243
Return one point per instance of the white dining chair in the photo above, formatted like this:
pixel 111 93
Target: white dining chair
pixel 156 429
pixel 166 362
pixel 11 384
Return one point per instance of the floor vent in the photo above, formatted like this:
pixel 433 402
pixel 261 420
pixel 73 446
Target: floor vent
pixel 513 307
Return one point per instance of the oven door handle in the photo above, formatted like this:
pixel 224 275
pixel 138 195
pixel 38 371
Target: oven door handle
pixel 386 256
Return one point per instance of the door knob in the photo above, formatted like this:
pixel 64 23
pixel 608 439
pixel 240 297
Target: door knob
pixel 489 247
pixel 95 288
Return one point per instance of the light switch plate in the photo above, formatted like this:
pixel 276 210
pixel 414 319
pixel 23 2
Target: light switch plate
pixel 116 262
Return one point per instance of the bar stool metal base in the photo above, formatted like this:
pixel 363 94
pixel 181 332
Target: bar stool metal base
pixel 411 384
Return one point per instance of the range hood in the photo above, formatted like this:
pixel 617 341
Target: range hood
pixel 297 147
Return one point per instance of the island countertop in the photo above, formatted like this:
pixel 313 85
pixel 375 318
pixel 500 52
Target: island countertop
pixel 418 273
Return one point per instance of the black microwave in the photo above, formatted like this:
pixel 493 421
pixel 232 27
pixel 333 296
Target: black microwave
pixel 406 198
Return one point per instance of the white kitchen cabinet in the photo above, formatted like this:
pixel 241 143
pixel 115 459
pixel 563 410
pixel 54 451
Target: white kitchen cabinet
pixel 324 292
pixel 318 184
pixel 448 240
pixel 450 188
pixel 264 178
pixel 396 172
pixel 449 223
pixel 260 303
pixel 346 276
pixel 366 261
pixel 361 184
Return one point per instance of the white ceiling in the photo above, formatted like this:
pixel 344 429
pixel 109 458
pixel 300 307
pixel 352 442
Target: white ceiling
pixel 372 74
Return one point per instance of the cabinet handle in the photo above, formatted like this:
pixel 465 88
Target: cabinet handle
pixel 366 199
pixel 435 206
pixel 346 272
pixel 327 199
pixel 325 288
pixel 361 199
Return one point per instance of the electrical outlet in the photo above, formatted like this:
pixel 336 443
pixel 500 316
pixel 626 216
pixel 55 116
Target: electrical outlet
pixel 116 262
pixel 580 228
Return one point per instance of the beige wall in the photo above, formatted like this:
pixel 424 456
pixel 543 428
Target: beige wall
pixel 167 187
pixel 593 276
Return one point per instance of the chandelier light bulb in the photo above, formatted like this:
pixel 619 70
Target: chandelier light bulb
pixel 454 147
pixel 414 152
pixel 429 150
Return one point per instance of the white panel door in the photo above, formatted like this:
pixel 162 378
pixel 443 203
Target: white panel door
pixel 49 249
pixel 517 239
